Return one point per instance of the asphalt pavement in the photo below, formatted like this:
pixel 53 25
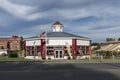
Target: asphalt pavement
pixel 59 71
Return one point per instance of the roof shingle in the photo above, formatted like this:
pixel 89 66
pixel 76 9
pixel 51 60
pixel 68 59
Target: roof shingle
pixel 63 34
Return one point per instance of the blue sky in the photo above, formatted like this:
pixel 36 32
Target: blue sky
pixel 96 19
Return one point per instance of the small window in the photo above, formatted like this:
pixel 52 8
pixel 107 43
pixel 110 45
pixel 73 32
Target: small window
pixel 50 52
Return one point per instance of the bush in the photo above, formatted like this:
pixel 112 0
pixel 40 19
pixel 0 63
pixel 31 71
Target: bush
pixel 49 58
pixel 43 58
pixel 13 54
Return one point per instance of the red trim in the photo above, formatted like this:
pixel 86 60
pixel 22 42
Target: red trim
pixel 24 48
pixel 43 48
pixel 90 52
pixel 74 47
pixel 40 49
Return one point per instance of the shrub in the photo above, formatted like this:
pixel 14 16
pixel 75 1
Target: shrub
pixel 49 58
pixel 13 54
pixel 43 58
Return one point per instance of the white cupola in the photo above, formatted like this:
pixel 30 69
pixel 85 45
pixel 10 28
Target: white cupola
pixel 57 27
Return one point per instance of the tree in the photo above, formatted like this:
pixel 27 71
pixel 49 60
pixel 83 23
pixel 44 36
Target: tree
pixel 119 39
pixel 94 44
pixel 110 39
pixel 97 46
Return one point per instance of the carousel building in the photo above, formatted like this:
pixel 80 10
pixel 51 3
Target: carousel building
pixel 57 45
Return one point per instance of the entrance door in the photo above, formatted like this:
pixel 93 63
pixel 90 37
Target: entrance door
pixel 58 54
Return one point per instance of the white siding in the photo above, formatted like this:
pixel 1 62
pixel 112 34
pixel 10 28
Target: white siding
pixel 59 42
pixel 33 57
pixel 57 28
pixel 31 43
pixel 82 42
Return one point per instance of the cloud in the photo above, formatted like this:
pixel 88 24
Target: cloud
pixel 20 11
pixel 96 19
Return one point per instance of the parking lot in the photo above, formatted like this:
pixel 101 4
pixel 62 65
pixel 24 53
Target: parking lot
pixel 59 71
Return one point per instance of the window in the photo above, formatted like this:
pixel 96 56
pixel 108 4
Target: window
pixel 50 52
pixel 84 52
pixel 31 51
pixel 65 52
pixel 28 50
pixel 79 52
pixel 50 47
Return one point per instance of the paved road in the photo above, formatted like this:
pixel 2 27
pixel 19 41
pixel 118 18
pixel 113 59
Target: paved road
pixel 70 71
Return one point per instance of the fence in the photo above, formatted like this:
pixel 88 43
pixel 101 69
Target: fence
pixel 104 58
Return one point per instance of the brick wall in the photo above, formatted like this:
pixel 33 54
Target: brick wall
pixel 10 43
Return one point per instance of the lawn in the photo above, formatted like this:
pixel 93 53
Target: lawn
pixel 60 61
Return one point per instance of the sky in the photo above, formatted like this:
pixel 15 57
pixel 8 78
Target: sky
pixel 95 19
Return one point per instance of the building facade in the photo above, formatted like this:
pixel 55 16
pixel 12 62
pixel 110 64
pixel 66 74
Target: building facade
pixel 10 43
pixel 57 45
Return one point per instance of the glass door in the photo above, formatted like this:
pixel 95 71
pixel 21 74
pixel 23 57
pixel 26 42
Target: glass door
pixel 59 54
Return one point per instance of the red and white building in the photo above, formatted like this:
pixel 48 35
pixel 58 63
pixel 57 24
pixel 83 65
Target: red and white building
pixel 57 45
